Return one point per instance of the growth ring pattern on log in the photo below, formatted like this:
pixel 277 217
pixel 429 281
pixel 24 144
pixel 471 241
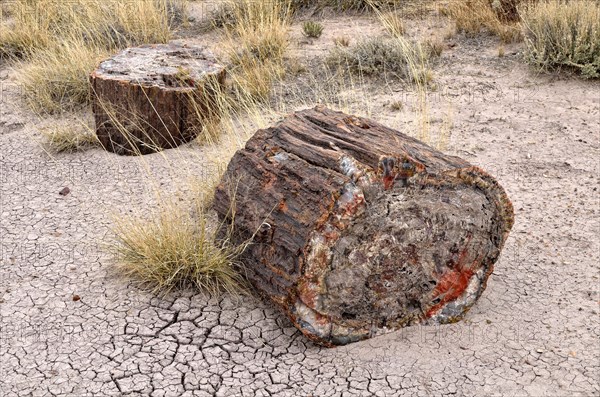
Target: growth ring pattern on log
pixel 359 229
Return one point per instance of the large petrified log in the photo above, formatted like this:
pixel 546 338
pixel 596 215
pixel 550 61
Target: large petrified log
pixel 359 229
pixel 153 97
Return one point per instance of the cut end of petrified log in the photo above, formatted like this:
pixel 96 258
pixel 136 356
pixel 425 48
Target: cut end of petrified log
pixel 154 97
pixel 392 255
pixel 368 230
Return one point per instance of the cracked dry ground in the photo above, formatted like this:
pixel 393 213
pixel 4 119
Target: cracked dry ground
pixel 534 332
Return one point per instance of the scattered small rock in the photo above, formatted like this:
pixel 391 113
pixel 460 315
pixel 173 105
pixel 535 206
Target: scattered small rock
pixel 64 191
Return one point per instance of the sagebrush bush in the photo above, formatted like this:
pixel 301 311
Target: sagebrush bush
pixel 564 35
pixel 381 56
pixel 312 29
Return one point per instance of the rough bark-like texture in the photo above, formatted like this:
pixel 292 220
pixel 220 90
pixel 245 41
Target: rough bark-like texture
pixel 154 97
pixel 361 229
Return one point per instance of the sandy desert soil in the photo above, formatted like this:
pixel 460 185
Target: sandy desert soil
pixel 534 332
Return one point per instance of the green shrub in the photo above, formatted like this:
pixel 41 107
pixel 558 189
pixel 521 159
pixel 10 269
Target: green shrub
pixel 312 29
pixel 563 35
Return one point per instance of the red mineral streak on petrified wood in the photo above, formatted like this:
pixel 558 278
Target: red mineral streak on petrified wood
pixel 361 229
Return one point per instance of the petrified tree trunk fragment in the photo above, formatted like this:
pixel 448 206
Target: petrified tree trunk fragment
pixel 153 97
pixel 361 229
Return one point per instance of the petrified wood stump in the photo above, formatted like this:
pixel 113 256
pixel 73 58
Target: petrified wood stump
pixel 361 229
pixel 153 97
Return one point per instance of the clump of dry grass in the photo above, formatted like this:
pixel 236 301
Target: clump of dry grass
pixel 252 81
pixel 60 42
pixel 507 10
pixel 227 13
pixel 181 245
pixel 177 249
pixel 256 44
pixel 295 67
pixel 38 24
pixel 341 41
pixel 256 40
pixel 499 17
pixel 63 137
pixel 55 78
pixel 416 57
pixel 393 23
pixel 564 35
pixel 397 106
pixel 435 46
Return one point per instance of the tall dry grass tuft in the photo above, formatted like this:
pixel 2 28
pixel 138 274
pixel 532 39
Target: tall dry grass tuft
pixel 499 17
pixel 55 78
pixel 393 23
pixel 177 245
pixel 36 24
pixel 69 136
pixel 564 35
pixel 256 43
pixel 177 249
pixel 60 42
pixel 417 59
